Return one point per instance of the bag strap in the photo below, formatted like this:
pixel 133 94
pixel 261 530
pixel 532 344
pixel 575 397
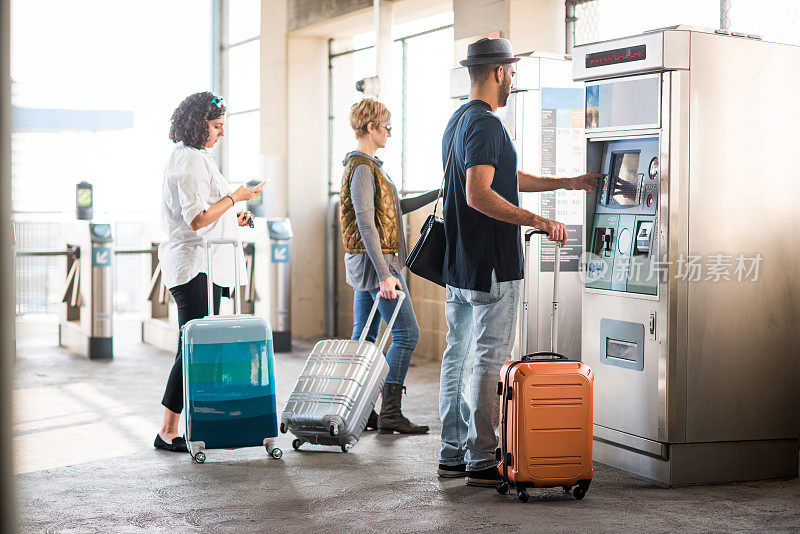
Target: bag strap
pixel 450 153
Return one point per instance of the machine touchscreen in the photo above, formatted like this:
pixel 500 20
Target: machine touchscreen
pixel 624 179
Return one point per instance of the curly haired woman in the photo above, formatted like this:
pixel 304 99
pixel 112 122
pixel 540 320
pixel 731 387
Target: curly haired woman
pixel 195 206
pixel 372 230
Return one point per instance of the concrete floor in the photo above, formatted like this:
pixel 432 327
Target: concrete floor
pixel 85 463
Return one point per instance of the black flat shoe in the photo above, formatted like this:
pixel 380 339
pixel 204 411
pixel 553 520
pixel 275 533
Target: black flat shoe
pixel 178 444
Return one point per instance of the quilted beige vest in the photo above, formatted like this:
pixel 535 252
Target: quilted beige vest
pixel 386 217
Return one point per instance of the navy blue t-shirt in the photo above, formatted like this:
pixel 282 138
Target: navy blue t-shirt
pixel 477 244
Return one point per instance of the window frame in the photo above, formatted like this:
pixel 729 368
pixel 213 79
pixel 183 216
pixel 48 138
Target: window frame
pixel 403 110
pixel 221 75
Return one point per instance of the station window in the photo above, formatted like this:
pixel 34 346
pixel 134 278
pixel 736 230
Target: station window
pixel 422 57
pixel 238 79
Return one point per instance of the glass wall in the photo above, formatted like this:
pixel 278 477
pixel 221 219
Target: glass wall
pixel 428 107
pixel 101 56
pixel 94 84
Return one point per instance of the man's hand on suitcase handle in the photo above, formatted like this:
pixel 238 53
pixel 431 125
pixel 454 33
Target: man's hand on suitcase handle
pixel 388 287
pixel 555 230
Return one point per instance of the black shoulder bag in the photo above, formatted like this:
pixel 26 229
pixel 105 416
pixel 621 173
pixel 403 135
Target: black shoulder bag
pixel 427 257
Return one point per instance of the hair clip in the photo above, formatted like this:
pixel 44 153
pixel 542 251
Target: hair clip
pixel 217 101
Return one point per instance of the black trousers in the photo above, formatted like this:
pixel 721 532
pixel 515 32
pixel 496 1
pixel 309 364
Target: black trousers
pixel 192 301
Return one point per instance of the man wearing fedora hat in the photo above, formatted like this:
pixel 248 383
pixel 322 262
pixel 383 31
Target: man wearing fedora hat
pixel 483 260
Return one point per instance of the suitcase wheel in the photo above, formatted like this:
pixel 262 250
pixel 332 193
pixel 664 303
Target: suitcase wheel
pixel 275 452
pixel 296 444
pixel 502 488
pixel 580 490
pixel 523 496
pixel 200 457
pixel 283 428
pixel 346 447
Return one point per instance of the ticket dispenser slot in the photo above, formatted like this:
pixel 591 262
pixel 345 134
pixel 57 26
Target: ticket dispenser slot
pixel 603 238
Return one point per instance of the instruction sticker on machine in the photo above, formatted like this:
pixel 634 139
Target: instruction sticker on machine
pixel 280 253
pixel 563 154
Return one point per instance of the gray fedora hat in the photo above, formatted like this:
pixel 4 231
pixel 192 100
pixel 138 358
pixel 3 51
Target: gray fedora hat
pixel 488 50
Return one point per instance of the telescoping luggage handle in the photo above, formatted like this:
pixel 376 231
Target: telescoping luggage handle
pixel 523 331
pixel 385 337
pixel 237 304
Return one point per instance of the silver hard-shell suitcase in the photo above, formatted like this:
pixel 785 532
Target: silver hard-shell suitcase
pixel 338 387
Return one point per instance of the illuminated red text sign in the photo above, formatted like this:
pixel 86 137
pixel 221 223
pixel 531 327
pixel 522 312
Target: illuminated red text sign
pixel 620 55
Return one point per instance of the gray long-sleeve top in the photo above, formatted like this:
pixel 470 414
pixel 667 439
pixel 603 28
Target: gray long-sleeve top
pixel 365 271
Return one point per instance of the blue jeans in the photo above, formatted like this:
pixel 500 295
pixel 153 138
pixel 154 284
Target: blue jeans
pixel 481 323
pixel 405 332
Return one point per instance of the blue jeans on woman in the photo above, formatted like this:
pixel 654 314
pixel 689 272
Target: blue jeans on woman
pixel 479 340
pixel 405 332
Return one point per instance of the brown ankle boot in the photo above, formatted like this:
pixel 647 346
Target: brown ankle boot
pixel 392 419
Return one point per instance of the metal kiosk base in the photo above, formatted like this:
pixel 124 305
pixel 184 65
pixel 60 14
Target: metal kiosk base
pixel 681 464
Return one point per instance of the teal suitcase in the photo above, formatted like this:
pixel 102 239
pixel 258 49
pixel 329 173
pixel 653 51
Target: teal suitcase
pixel 228 379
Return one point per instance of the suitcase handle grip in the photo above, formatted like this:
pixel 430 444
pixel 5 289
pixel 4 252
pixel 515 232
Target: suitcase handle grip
pixel 531 232
pixel 554 356
pixel 237 303
pixel 401 295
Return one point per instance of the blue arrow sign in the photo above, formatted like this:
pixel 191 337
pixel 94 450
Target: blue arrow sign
pixel 280 253
pixel 101 257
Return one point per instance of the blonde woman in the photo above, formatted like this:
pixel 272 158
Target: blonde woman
pixel 375 254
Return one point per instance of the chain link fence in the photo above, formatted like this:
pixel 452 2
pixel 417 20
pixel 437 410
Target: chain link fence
pixel 586 26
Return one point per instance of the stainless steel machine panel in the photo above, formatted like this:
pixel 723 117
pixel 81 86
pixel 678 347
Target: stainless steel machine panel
pixel 715 398
pixel 655 51
pixel 625 399
pixel 743 341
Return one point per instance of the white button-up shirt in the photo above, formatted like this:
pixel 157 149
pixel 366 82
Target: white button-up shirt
pixel 192 183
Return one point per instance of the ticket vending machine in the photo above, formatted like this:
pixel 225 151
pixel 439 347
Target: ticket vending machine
pixel 544 118
pixel 690 307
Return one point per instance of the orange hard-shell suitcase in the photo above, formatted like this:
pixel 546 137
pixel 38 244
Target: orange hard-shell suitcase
pixel 545 415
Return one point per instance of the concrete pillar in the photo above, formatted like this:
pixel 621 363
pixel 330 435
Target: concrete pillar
pixel 274 116
pixel 7 338
pixel 307 179
pixel 294 126
pixel 530 25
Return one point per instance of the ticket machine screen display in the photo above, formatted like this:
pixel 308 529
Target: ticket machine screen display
pixel 624 179
pixel 624 234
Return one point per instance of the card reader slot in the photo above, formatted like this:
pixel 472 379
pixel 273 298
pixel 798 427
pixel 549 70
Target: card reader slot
pixel 644 238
